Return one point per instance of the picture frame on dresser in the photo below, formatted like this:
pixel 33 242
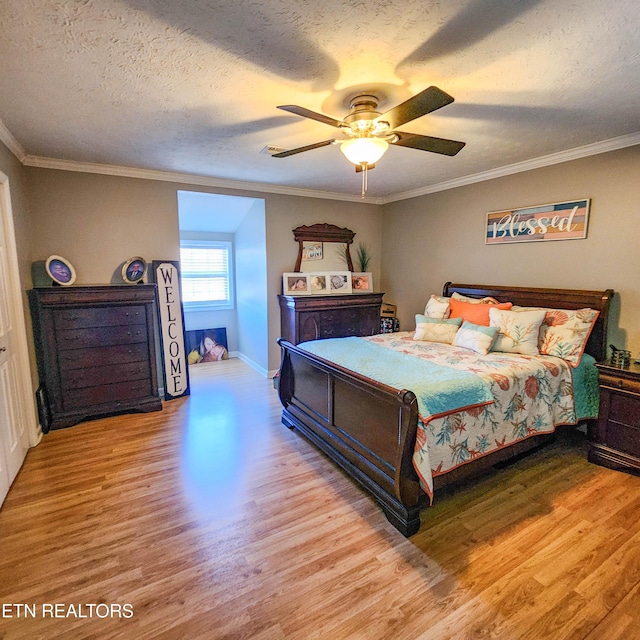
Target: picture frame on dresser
pixel 175 369
pixel 339 282
pixel 296 284
pixel 319 283
pixel 133 270
pixel 60 270
pixel 362 281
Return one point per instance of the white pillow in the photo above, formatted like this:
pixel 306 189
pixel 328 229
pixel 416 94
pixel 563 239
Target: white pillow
pixel 519 330
pixel 436 330
pixel 437 307
pixel 475 337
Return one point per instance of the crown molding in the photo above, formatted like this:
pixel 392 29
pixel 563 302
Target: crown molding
pixel 188 178
pixel 593 149
pixel 12 143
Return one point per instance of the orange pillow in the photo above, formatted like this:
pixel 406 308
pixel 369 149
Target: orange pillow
pixel 476 313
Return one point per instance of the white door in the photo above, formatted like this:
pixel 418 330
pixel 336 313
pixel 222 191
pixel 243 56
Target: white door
pixel 14 439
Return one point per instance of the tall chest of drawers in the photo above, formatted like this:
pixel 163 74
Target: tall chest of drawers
pixel 95 349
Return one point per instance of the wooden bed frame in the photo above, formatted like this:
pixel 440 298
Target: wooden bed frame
pixel 369 428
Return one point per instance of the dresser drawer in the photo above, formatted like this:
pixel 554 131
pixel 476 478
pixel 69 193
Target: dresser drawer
pixel 625 438
pixel 99 317
pixel 110 394
pixel 100 336
pixel 625 409
pixel 102 356
pixel 342 323
pixel 611 381
pixel 100 375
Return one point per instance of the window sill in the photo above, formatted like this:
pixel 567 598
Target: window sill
pixel 204 306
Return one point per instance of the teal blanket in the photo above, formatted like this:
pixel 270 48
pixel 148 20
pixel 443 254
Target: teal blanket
pixel 438 389
pixel 585 388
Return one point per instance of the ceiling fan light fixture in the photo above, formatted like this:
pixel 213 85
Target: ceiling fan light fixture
pixel 364 151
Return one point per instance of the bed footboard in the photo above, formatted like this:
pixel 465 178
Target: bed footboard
pixel 366 427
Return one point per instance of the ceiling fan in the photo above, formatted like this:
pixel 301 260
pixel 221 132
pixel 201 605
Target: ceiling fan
pixel 369 133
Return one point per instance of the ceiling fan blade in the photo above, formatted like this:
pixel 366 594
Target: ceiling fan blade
pixel 422 103
pixel 428 143
pixel 292 152
pixel 307 113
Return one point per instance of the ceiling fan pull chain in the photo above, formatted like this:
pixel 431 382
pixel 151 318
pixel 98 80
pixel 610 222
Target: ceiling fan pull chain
pixel 364 178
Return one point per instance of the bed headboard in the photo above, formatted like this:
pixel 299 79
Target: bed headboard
pixel 552 298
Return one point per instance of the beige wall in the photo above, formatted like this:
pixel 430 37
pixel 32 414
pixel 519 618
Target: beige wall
pixel 439 237
pixel 98 221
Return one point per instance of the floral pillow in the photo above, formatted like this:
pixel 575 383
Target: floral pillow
pixel 564 333
pixel 519 331
pixel 475 337
pixel 437 307
pixel 436 330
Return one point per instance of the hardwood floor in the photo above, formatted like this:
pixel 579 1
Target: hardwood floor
pixel 212 520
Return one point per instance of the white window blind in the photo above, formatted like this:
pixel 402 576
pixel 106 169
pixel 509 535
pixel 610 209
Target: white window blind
pixel 206 276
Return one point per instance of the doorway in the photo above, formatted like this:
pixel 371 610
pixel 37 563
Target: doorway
pixel 17 411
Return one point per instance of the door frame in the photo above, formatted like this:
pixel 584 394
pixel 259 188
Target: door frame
pixel 26 391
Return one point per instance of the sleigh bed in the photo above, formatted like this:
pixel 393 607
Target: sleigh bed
pixel 371 429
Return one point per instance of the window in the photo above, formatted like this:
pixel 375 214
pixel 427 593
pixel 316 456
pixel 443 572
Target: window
pixel 206 275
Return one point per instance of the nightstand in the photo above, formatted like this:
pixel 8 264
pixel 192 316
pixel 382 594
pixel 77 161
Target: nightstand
pixel 615 442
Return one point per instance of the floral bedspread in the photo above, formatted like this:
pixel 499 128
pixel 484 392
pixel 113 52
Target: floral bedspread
pixel 532 395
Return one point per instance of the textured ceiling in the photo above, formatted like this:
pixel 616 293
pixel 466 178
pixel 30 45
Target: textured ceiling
pixel 192 86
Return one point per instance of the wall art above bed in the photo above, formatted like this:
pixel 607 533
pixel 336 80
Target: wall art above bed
pixel 559 221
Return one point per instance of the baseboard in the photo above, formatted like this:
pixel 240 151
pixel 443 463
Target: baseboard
pixel 254 365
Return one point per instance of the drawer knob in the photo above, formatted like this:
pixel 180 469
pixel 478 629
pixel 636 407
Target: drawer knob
pixel 620 384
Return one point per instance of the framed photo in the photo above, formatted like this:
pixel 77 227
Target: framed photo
pixel 206 345
pixel 295 284
pixel 312 251
pixel 339 282
pixel 61 271
pixel 133 270
pixel 362 281
pixel 319 283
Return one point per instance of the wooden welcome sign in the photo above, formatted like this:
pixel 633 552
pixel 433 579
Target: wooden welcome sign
pixel 174 357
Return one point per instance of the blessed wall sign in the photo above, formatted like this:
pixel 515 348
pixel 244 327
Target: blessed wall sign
pixel 558 221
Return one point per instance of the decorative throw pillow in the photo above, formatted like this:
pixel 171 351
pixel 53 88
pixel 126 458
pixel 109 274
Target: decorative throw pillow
pixel 436 330
pixel 564 333
pixel 475 337
pixel 487 300
pixel 473 312
pixel 519 331
pixel 437 307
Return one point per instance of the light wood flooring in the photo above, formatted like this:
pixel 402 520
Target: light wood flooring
pixel 212 520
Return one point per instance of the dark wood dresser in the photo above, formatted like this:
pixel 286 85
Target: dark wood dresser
pixel 616 439
pixel 95 349
pixel 334 316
